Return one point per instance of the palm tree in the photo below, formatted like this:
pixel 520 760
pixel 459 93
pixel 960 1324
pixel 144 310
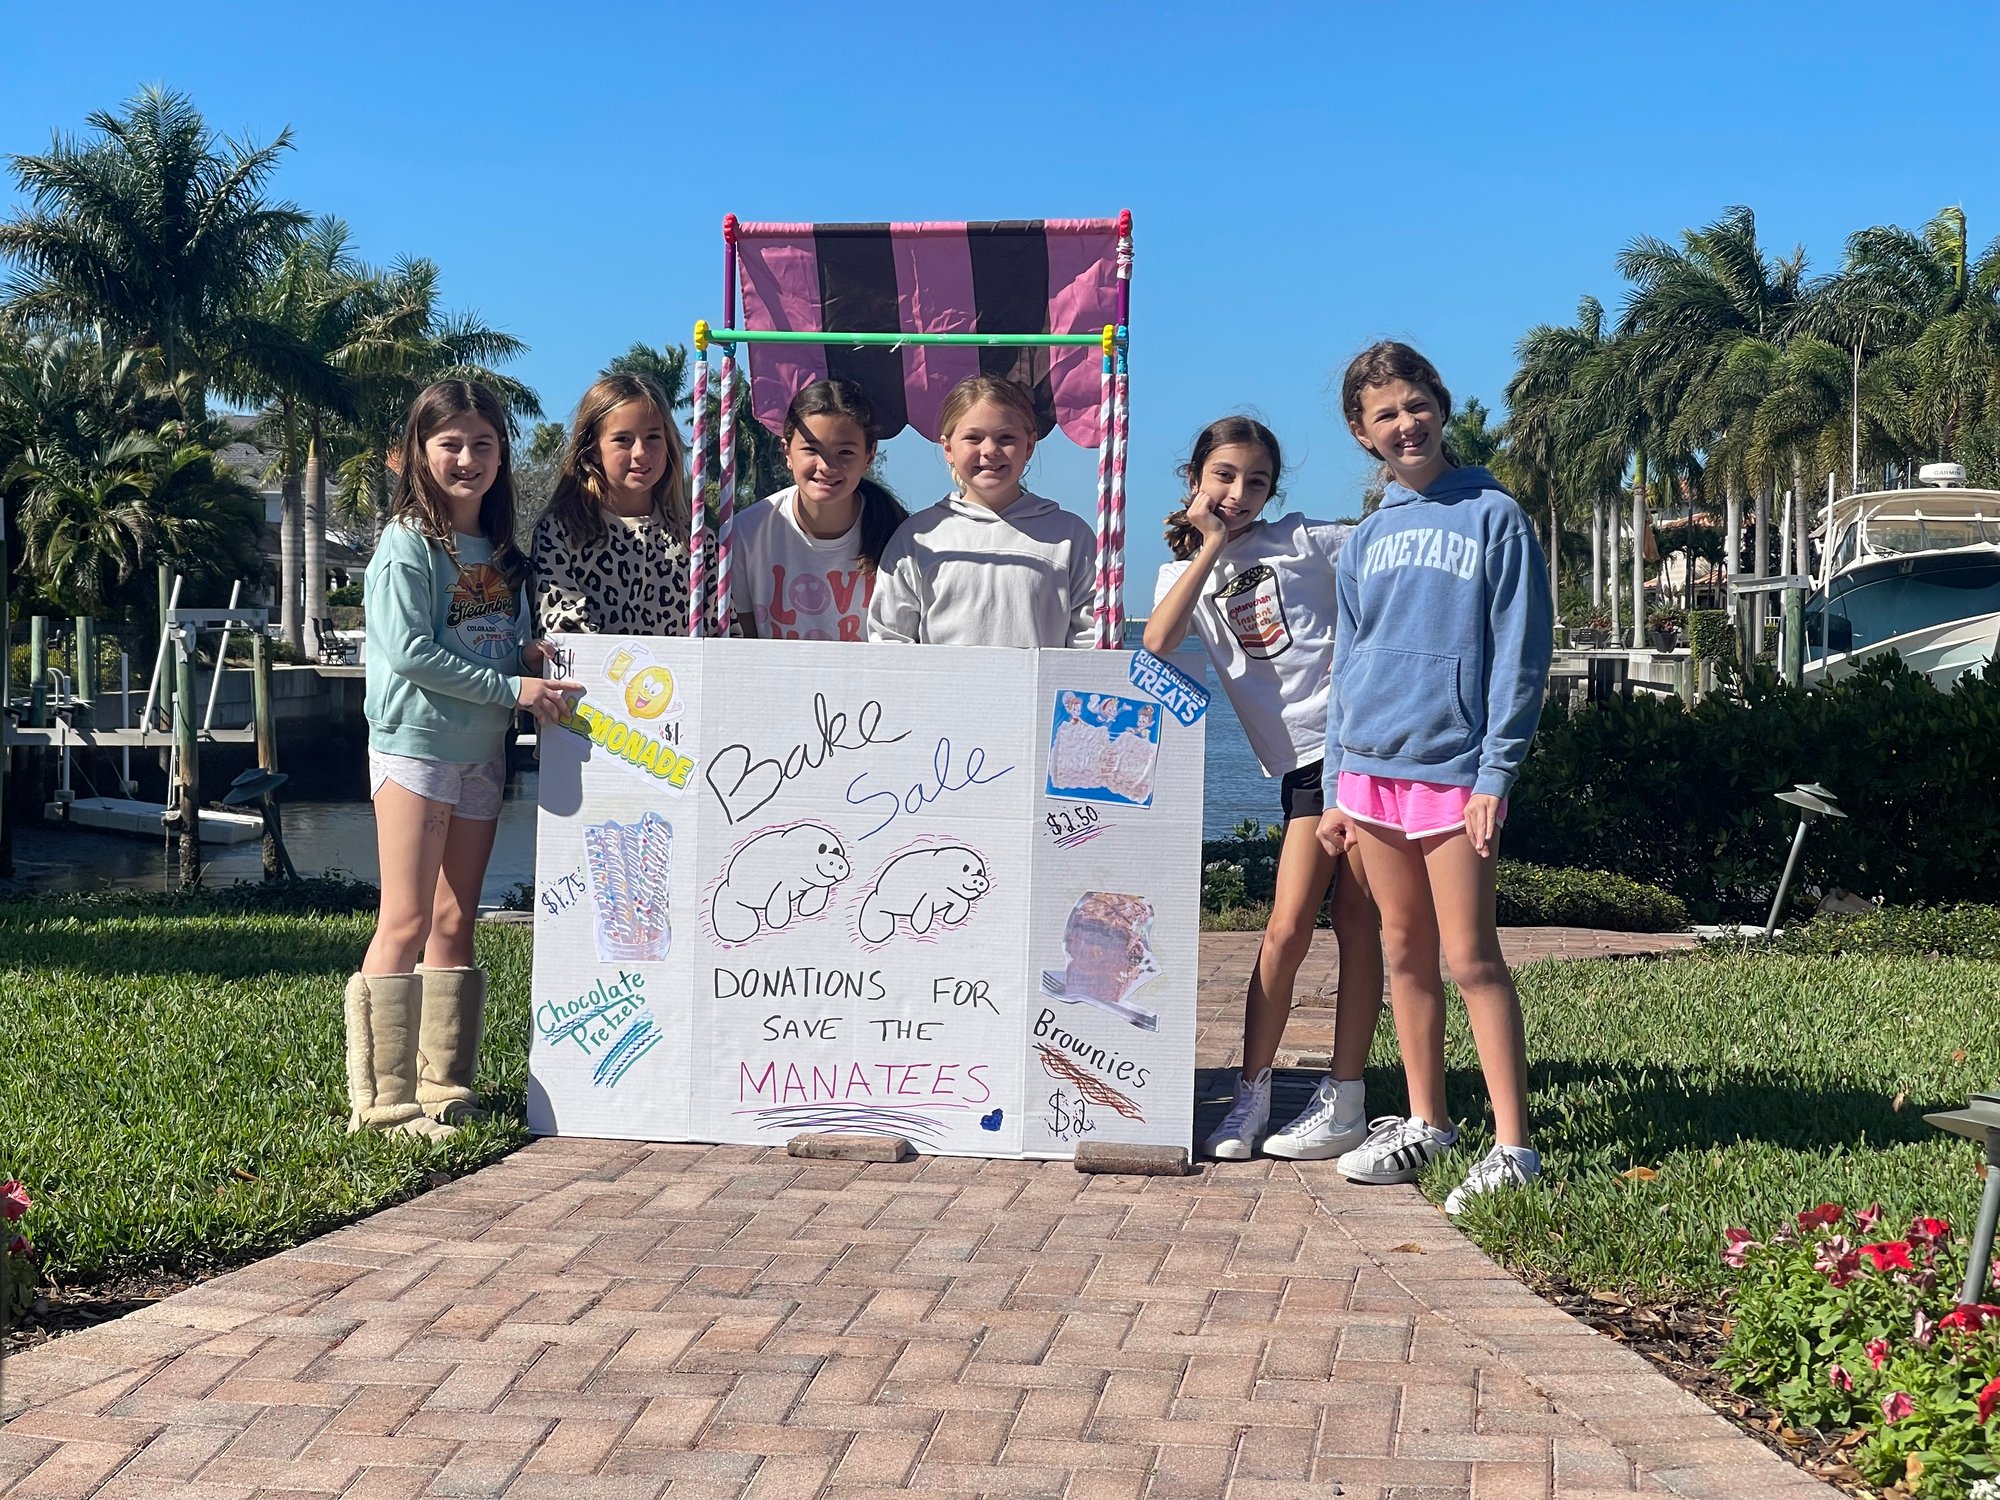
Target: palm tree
pixel 314 296
pixel 760 457
pixel 403 342
pixel 154 230
pixel 1557 454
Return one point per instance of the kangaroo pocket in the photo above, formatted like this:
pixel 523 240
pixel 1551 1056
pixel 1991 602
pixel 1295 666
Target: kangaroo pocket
pixel 1404 705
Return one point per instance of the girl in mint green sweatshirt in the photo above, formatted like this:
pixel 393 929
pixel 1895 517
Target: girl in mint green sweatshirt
pixel 449 663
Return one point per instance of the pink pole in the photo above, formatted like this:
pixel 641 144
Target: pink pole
pixel 725 511
pixel 1121 401
pixel 1102 611
pixel 1124 270
pixel 698 500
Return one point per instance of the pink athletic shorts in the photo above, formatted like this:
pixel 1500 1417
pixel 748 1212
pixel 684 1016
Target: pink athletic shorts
pixel 1415 809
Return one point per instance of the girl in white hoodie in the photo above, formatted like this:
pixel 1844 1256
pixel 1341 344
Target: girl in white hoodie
pixel 991 564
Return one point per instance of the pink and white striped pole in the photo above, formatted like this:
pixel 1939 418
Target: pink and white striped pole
pixel 1101 610
pixel 725 511
pixel 698 487
pixel 1121 432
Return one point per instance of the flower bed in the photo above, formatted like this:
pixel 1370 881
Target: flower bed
pixel 1846 1332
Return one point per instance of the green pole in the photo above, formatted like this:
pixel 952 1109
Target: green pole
pixel 1795 636
pixel 189 768
pixel 893 340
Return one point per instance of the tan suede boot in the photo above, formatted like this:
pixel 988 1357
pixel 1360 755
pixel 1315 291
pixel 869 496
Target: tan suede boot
pixel 448 1043
pixel 382 1056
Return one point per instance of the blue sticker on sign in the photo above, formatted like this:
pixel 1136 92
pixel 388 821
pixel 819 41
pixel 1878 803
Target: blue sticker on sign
pixel 1182 696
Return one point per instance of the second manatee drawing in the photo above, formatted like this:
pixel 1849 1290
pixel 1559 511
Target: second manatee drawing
pixel 922 889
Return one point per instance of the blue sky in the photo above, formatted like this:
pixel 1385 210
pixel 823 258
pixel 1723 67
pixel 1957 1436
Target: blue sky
pixel 1304 178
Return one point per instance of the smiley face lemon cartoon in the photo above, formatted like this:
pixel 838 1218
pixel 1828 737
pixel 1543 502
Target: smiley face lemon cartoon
pixel 650 693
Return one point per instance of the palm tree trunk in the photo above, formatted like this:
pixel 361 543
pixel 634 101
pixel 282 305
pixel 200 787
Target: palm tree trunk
pixel 1555 553
pixel 1611 572
pixel 315 535
pixel 378 482
pixel 289 561
pixel 1597 553
pixel 1639 550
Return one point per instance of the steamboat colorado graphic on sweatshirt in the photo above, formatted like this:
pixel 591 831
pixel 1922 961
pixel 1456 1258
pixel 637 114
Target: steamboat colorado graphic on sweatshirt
pixel 1266 620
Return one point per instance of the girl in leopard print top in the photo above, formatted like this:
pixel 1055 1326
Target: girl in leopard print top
pixel 610 553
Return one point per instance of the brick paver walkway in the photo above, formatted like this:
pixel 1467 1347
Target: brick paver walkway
pixel 601 1319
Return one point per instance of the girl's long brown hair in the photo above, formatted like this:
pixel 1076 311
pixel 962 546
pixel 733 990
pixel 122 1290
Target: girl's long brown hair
pixel 881 511
pixel 578 501
pixel 1183 540
pixel 417 499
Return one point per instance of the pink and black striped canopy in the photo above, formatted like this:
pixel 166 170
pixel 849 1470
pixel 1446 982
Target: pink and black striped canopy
pixel 1015 276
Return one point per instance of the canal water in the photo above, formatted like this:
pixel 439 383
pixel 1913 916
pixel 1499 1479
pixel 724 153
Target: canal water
pixel 340 836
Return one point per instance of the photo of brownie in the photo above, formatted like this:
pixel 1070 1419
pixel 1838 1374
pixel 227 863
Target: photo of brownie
pixel 1107 941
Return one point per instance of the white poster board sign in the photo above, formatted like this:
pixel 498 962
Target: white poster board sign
pixel 945 893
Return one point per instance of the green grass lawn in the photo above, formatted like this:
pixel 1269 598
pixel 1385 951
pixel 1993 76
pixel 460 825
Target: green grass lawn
pixel 175 1093
pixel 1753 1085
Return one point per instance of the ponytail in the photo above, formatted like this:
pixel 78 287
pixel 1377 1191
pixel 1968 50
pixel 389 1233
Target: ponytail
pixel 881 514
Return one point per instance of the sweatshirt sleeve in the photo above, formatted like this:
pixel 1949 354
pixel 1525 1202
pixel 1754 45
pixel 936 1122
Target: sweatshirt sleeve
pixel 1344 625
pixel 400 629
pixel 1520 639
pixel 896 609
pixel 561 603
pixel 1083 590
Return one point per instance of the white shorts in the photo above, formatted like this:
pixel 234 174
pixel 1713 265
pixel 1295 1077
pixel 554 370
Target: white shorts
pixel 473 788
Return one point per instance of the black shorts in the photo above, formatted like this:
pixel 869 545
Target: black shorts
pixel 1301 792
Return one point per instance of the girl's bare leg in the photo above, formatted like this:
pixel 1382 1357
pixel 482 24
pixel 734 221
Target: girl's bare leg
pixel 1304 871
pixel 468 846
pixel 410 836
pixel 1357 927
pixel 1401 887
pixel 1461 884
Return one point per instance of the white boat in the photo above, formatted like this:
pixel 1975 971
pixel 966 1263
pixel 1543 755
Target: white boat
pixel 1915 571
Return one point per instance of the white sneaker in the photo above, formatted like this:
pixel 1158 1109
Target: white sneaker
pixel 1235 1139
pixel 1502 1167
pixel 1396 1150
pixel 1333 1122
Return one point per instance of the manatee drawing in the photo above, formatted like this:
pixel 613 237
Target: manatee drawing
pixel 924 887
pixel 776 875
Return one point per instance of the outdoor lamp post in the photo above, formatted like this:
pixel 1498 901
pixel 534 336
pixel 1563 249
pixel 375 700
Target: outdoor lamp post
pixel 1813 801
pixel 1978 1121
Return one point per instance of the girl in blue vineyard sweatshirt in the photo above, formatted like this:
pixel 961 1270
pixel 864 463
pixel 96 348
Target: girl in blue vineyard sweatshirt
pixel 1441 653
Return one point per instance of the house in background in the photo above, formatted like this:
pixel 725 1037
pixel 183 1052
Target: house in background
pixel 347 552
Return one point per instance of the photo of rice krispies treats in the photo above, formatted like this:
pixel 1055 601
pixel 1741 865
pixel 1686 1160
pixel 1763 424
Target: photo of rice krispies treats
pixel 1108 942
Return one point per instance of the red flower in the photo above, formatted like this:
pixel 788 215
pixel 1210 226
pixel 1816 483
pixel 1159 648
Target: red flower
pixel 1898 1406
pixel 1929 1231
pixel 1889 1255
pixel 14 1200
pixel 1970 1315
pixel 1824 1217
pixel 19 1246
pixel 1866 1219
pixel 1989 1397
pixel 1878 1352
pixel 1838 1377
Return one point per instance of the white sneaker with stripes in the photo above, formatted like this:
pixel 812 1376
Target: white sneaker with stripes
pixel 1396 1150
pixel 1502 1167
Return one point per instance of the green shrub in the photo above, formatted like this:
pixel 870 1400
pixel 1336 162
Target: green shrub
pixel 1711 634
pixel 1962 931
pixel 1239 875
pixel 1683 799
pixel 1538 896
pixel 347 596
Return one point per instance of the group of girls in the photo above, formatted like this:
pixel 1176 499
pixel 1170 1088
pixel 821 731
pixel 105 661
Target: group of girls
pixel 1390 674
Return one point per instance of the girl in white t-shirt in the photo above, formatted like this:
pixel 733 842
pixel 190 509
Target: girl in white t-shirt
pixel 805 557
pixel 1260 595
